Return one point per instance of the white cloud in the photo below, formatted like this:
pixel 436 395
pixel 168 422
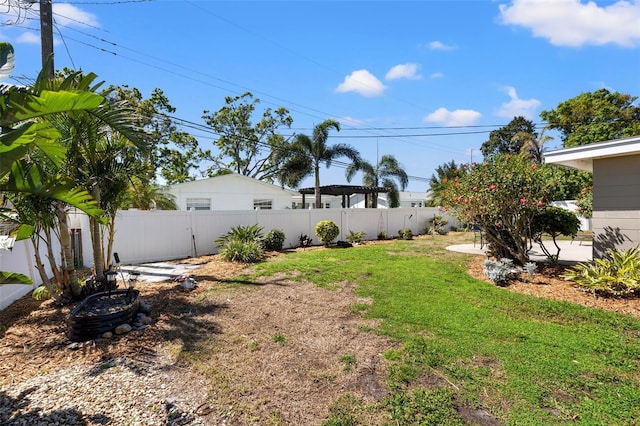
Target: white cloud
pixel 438 45
pixel 363 83
pixel 28 38
pixel 459 117
pixel 437 75
pixel 574 23
pixel 67 14
pixel 408 71
pixel 517 107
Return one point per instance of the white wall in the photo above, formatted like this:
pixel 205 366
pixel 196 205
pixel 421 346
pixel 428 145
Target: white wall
pixel 21 260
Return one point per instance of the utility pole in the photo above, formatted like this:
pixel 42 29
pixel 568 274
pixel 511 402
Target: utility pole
pixel 46 34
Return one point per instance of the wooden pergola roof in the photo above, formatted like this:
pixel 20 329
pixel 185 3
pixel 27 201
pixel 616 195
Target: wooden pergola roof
pixel 346 191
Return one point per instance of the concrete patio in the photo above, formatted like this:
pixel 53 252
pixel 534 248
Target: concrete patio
pixel 571 252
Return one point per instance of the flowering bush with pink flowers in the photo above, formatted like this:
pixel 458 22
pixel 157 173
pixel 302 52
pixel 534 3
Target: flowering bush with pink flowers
pixel 501 195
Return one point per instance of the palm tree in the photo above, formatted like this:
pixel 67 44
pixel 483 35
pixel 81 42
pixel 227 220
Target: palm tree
pixel 32 154
pixel 307 153
pixel 441 179
pixel 383 174
pixel 148 196
pixel 100 142
pixel 532 147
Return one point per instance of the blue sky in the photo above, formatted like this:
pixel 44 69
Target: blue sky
pixel 425 81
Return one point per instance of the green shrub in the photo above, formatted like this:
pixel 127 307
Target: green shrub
pixel 327 231
pixel 273 240
pixel 242 251
pixel 41 293
pixel 553 221
pixel 584 201
pixel 501 195
pixel 249 233
pixel 382 235
pixel 304 240
pixel 405 234
pixel 355 237
pixel 437 225
pixel 618 275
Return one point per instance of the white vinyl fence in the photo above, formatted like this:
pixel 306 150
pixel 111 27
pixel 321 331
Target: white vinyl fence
pixel 21 259
pixel 149 236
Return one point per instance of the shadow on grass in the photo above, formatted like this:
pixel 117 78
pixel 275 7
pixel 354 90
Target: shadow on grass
pixel 192 322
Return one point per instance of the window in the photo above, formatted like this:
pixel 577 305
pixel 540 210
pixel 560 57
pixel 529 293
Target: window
pixel 262 204
pixel 199 203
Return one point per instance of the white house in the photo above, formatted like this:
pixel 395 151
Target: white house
pixel 231 192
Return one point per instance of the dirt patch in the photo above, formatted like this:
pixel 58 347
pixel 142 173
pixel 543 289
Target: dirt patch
pixel 271 351
pixel 550 284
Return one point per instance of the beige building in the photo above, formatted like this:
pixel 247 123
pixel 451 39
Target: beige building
pixel 616 189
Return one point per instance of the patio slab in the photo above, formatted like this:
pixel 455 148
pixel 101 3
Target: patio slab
pixel 157 271
pixel 571 252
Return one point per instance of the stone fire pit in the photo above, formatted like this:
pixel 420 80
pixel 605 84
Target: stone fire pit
pixel 102 312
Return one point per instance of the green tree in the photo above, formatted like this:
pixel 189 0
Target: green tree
pixel 307 153
pixel 172 154
pixel 503 141
pixel 595 117
pixel 532 146
pixel 384 174
pixel 29 145
pixel 584 201
pixel 553 221
pixel 445 174
pixel 502 195
pixel 143 196
pixel 104 147
pixel 566 183
pixel 245 148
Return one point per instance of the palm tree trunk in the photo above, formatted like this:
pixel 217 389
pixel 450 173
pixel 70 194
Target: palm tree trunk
pixel 96 239
pixel 317 188
pixel 111 228
pixel 68 268
pixel 52 259
pixel 54 292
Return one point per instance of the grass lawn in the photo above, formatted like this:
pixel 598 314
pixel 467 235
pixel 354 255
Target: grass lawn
pixel 522 359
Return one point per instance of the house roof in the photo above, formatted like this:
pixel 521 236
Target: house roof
pixel 581 157
pixel 234 176
pixel 344 190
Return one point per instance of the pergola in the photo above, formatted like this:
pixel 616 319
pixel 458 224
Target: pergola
pixel 370 193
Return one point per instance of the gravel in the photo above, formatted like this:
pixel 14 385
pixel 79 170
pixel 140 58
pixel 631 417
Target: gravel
pixel 138 390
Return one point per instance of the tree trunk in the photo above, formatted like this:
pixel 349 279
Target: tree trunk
pixel 54 292
pixel 57 278
pixel 96 239
pixel 70 276
pixel 317 188
pixel 111 228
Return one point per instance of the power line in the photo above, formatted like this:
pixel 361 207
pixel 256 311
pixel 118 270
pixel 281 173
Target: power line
pixel 113 51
